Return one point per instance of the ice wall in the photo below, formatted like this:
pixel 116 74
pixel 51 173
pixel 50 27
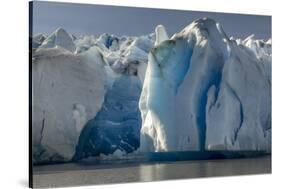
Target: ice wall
pixel 158 98
pixel 67 91
pixel 200 90
pixel 86 82
pixel 116 127
pixel 204 91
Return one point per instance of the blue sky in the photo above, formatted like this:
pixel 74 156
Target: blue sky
pixel 97 19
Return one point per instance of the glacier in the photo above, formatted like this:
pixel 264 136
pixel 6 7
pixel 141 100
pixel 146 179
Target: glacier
pixel 37 40
pixel 59 38
pixel 86 82
pixel 116 128
pixel 63 100
pixel 107 95
pixel 203 91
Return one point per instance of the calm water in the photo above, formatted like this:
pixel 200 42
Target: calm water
pixel 82 174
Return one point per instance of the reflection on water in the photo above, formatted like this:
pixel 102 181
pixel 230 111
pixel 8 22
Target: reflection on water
pixel 74 174
pixel 149 173
pixel 204 168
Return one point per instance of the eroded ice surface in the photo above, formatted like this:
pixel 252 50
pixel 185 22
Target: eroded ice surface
pixel 116 128
pixel 59 38
pixel 205 91
pixel 67 91
pixel 102 95
pixel 79 81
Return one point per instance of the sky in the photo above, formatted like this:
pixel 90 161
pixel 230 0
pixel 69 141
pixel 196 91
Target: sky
pixel 85 19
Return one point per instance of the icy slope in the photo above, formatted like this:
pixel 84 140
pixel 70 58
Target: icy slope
pixel 59 38
pixel 205 91
pixel 37 40
pixel 125 55
pixel 67 91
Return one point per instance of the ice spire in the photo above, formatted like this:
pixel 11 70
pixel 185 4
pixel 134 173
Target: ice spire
pixel 161 34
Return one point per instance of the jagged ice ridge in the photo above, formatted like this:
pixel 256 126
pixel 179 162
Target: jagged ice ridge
pixel 196 90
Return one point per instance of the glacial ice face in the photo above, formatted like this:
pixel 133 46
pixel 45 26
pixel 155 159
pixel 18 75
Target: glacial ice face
pixel 205 92
pixel 200 90
pixel 67 91
pixel 116 127
pixel 242 107
pixel 262 51
pixel 166 69
pixel 71 77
